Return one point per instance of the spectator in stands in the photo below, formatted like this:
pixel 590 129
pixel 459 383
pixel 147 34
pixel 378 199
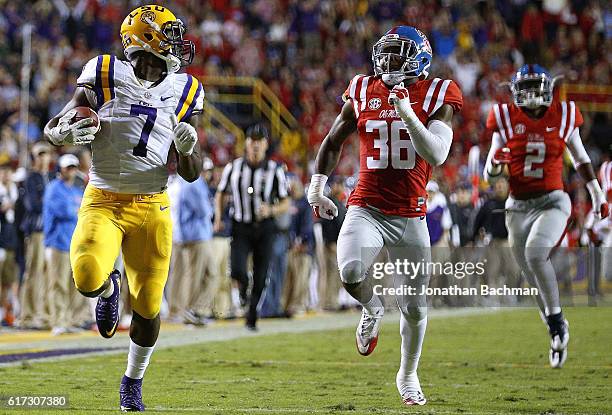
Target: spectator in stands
pixel 222 306
pixel 61 202
pixel 19 179
pixel 462 214
pixel 196 220
pixel 296 286
pixel 532 32
pixel 33 312
pixel 490 229
pixel 439 223
pixel 194 213
pixel 174 287
pixel 329 276
pixel 272 306
pixel 8 243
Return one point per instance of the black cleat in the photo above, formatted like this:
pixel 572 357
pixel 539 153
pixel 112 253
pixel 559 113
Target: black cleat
pixel 558 328
pixel 107 309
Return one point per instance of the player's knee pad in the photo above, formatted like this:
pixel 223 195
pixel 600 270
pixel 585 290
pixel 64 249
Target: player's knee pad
pixel 536 257
pixel 87 273
pixel 352 272
pixel 147 311
pixel 147 300
pixel 414 315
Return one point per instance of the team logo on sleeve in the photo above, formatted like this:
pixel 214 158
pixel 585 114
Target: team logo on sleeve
pixel 519 129
pixel 374 103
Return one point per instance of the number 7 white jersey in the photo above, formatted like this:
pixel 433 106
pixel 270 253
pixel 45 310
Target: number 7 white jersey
pixel 130 152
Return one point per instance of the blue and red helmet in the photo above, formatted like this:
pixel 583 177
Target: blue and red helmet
pixel 403 52
pixel 532 86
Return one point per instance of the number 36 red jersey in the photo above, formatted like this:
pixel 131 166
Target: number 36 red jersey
pixel 536 145
pixel 392 176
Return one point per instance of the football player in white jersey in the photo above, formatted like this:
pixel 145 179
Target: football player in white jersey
pixel 146 111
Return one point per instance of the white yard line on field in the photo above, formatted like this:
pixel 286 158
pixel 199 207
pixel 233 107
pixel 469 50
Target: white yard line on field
pixel 215 332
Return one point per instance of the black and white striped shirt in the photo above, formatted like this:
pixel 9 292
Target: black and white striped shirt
pixel 250 186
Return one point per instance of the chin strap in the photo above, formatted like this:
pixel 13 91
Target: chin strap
pixel 172 65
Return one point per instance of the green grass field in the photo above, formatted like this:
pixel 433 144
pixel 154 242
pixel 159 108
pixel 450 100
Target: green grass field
pixel 492 363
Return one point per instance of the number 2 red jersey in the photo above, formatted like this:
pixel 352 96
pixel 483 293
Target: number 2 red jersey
pixel 392 176
pixel 536 145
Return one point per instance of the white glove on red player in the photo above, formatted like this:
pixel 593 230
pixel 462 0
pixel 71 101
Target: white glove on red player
pixel 80 133
pixel 322 206
pixel 601 209
pixel 400 98
pixel 501 156
pixel 185 138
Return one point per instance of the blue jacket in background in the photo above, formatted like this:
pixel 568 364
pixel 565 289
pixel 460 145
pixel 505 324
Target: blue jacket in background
pixel 60 207
pixel 195 211
pixel 226 232
pixel 34 189
pixel 302 223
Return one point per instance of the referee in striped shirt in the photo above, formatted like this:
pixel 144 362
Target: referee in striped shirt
pixel 258 189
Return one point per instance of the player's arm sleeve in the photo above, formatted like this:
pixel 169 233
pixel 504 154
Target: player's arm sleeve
pixel 434 141
pixel 191 100
pixel 573 120
pixel 281 183
pixel 353 92
pixel 87 81
pixel 199 102
pixel 490 170
pixel 576 149
pixel 223 183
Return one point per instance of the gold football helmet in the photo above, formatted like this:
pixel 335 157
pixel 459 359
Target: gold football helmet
pixel 156 29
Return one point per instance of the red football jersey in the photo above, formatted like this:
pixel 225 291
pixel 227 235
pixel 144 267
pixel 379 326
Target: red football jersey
pixel 392 176
pixel 536 145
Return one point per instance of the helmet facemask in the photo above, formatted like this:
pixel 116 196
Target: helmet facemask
pixel 532 90
pixel 180 48
pixel 396 59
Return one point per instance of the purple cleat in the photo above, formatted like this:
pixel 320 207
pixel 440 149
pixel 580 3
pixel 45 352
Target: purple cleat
pixel 130 395
pixel 107 309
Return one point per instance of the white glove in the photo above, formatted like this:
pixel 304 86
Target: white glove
pixel 399 97
pixel 185 138
pixel 322 206
pixel 601 210
pixel 80 133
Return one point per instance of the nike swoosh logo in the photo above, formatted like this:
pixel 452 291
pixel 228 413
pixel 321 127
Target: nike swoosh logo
pixel 111 332
pixel 549 129
pixel 163 207
pixel 165 98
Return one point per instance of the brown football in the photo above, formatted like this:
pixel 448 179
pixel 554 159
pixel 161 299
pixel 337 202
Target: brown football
pixel 85 112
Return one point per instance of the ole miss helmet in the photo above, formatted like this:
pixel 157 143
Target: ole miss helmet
pixel 532 86
pixel 403 52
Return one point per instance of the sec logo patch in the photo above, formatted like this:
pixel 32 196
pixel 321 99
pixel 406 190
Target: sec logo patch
pixel 519 129
pixel 374 103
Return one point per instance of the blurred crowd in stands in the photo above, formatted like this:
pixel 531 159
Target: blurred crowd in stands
pixel 306 51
